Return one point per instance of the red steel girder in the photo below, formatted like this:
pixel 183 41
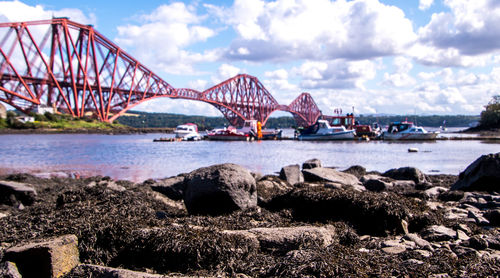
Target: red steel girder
pixel 304 110
pixel 241 98
pixel 73 67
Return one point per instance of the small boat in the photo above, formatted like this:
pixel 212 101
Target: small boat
pixel 407 131
pixel 251 127
pixel 227 134
pixel 187 132
pixel 322 130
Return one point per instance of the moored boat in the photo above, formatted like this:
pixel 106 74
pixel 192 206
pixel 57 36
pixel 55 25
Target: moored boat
pixel 321 130
pixel 407 131
pixel 187 132
pixel 227 134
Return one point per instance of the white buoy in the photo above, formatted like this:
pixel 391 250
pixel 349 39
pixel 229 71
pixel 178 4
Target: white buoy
pixel 412 150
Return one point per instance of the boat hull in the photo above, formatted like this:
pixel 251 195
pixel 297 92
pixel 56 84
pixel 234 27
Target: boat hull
pixel 228 137
pixel 347 135
pixel 409 136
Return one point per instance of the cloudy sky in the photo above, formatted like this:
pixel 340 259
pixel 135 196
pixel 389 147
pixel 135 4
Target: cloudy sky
pixel 380 56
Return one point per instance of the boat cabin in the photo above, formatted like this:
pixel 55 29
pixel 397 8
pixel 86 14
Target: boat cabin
pixel 399 126
pixel 347 121
pixel 185 128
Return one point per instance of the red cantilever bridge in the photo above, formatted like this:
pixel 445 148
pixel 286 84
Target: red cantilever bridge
pixel 64 64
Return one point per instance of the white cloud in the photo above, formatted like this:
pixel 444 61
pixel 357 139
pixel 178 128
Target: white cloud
pixel 224 72
pixel 14 11
pixel 199 85
pixel 425 4
pixel 278 84
pixel 160 41
pixel 471 28
pixel 338 74
pixel 315 30
pixel 401 76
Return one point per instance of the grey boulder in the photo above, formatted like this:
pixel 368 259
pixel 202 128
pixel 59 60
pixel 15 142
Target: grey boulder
pixel 13 193
pixel 219 189
pixel 311 163
pixel 406 173
pixel 330 175
pixel 482 175
pixel 292 174
pixel 172 187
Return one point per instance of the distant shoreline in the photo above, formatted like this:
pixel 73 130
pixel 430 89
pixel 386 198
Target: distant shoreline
pixel 85 131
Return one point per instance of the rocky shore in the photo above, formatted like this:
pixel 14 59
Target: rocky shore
pixel 223 221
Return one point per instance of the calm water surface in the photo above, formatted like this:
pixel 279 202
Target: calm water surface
pixel 137 157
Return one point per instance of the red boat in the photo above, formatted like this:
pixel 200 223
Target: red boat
pixel 227 134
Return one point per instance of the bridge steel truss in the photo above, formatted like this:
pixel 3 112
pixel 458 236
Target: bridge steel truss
pixel 70 66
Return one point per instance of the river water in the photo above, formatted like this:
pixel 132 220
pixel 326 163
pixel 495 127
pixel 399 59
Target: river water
pixel 137 158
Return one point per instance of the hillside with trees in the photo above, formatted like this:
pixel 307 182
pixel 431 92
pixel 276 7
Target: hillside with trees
pixel 161 120
pixel 490 117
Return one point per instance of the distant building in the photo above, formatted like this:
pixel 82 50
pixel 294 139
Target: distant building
pixel 41 109
pixel 3 112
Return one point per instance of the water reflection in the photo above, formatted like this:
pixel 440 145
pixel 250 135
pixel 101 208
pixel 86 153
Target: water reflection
pixel 137 157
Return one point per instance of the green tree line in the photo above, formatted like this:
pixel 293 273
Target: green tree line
pixel 160 120
pixel 490 117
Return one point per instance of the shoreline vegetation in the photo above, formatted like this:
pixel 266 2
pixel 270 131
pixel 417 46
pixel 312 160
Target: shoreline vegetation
pixel 224 221
pixel 142 122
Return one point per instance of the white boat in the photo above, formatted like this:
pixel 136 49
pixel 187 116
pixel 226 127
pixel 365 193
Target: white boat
pixel 321 130
pixel 187 132
pixel 407 131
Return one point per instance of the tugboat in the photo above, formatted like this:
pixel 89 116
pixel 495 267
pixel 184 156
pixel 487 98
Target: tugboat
pixel 322 130
pixel 407 131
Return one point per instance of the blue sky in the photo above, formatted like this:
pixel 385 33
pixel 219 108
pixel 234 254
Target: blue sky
pixel 392 56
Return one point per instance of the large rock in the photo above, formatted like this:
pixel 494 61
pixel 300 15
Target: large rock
pixel 12 193
pixel 269 187
pixel 284 239
pixel 89 270
pixel 311 163
pixel 330 175
pixel 406 173
pixel 9 270
pixel 172 187
pixel 482 175
pixel 219 189
pixel 53 258
pixel 439 233
pixel 376 183
pixel 292 174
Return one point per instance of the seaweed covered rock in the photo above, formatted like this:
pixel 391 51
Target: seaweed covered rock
pixel 184 249
pixel 219 189
pixel 367 212
pixel 482 175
